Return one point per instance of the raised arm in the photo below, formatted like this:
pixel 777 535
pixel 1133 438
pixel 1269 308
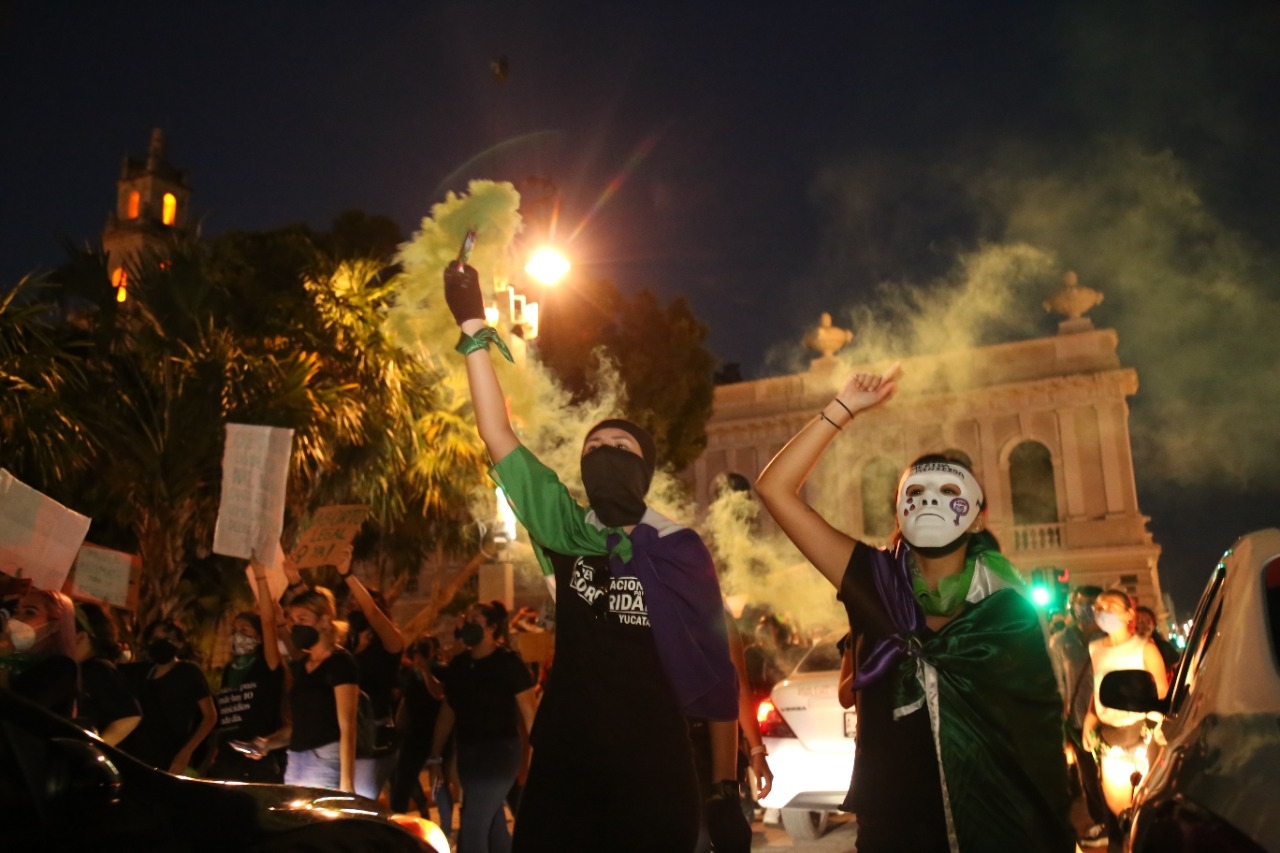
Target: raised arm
pixel 388 633
pixel 267 612
pixel 462 292
pixel 827 548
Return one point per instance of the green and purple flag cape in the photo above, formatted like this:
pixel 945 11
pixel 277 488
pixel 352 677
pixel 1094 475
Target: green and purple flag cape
pixel 987 683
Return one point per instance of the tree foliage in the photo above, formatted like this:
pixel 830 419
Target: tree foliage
pixel 658 351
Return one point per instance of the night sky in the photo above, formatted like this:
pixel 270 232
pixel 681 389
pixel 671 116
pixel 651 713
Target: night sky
pixel 768 161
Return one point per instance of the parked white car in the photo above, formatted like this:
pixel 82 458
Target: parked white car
pixel 811 742
pixel 1213 786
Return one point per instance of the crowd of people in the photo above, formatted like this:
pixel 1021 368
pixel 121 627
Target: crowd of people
pixel 637 737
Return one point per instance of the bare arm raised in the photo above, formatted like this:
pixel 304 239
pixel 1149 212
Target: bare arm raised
pixel 779 484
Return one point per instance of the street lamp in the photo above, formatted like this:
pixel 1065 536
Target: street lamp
pixel 547 266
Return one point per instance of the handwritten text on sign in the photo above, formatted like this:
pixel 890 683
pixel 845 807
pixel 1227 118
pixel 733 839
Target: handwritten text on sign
pixel 255 470
pixel 330 527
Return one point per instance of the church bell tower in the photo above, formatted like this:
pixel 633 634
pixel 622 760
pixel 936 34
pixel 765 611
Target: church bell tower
pixel 152 207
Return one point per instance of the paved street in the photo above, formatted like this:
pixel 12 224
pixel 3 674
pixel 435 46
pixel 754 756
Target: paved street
pixel 841 837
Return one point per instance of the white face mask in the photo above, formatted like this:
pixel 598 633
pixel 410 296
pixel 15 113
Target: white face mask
pixel 937 504
pixel 1110 622
pixel 22 635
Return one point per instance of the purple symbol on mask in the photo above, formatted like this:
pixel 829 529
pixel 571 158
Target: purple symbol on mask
pixel 960 507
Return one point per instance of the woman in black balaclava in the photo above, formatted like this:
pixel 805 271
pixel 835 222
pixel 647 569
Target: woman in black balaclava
pixel 640 637
pixel 178 711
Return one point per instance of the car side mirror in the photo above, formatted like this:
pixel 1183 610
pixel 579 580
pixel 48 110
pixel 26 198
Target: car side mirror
pixel 1131 690
pixel 79 775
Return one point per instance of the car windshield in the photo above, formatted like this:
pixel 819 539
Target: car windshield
pixel 821 658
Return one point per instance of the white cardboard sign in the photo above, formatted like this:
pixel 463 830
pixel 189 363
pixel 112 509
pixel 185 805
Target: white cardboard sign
pixel 39 537
pixel 255 471
pixel 101 574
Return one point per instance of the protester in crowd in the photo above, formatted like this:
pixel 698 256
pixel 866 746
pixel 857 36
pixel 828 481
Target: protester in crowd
pixel 178 711
pixel 252 692
pixel 640 633
pixel 422 695
pixel 959 721
pixel 323 700
pixel 1069 650
pixel 37 650
pixel 1146 625
pixel 1119 649
pixel 378 647
pixel 105 705
pixel 489 703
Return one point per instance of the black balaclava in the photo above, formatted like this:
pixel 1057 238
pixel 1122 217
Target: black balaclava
pixel 617 480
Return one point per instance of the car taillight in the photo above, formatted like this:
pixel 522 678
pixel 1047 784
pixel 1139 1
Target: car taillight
pixel 423 830
pixel 771 722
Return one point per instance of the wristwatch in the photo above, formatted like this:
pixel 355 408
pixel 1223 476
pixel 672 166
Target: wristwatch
pixel 726 788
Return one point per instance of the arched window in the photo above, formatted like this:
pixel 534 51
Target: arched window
pixel 1031 484
pixel 879 491
pixel 170 211
pixel 135 204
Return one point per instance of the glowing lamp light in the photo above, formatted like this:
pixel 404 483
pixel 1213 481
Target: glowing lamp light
pixel 506 517
pixel 491 314
pixel 1039 596
pixel 547 266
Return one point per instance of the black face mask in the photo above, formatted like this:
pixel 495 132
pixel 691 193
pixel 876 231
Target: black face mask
pixel 471 635
pixel 616 481
pixel 304 636
pixel 161 651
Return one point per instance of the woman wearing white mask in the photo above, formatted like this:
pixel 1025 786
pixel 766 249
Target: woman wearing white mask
pixel 37 647
pixel 959 741
pixel 250 694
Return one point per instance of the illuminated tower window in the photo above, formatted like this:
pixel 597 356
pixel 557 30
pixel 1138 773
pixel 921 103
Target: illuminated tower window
pixel 170 211
pixel 135 201
pixel 119 280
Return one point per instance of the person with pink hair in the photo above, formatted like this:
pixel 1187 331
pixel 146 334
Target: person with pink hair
pixel 37 648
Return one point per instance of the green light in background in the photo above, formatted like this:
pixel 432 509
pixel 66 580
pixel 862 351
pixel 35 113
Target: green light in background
pixel 1039 596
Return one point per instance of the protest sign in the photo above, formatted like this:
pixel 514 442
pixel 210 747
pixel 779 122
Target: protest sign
pixel 330 527
pixel 255 470
pixel 104 575
pixel 39 537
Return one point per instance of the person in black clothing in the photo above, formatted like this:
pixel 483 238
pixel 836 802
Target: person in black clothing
pixel 105 705
pixel 37 648
pixel 489 698
pixel 251 693
pixel 178 711
pixel 422 695
pixel 323 700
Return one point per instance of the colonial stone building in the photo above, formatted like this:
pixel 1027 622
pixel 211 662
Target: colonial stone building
pixel 1044 422
pixel 152 205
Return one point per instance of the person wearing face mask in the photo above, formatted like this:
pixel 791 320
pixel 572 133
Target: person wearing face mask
pixel 959 720
pixel 641 641
pixel 37 651
pixel 1120 648
pixel 1069 650
pixel 178 711
pixel 250 695
pixel 488 705
pixel 323 700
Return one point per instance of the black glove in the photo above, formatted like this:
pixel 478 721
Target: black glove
pixel 462 292
pixel 726 824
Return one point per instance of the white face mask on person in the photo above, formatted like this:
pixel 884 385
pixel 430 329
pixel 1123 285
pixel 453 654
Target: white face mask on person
pixel 937 504
pixel 243 644
pixel 21 635
pixel 1110 622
